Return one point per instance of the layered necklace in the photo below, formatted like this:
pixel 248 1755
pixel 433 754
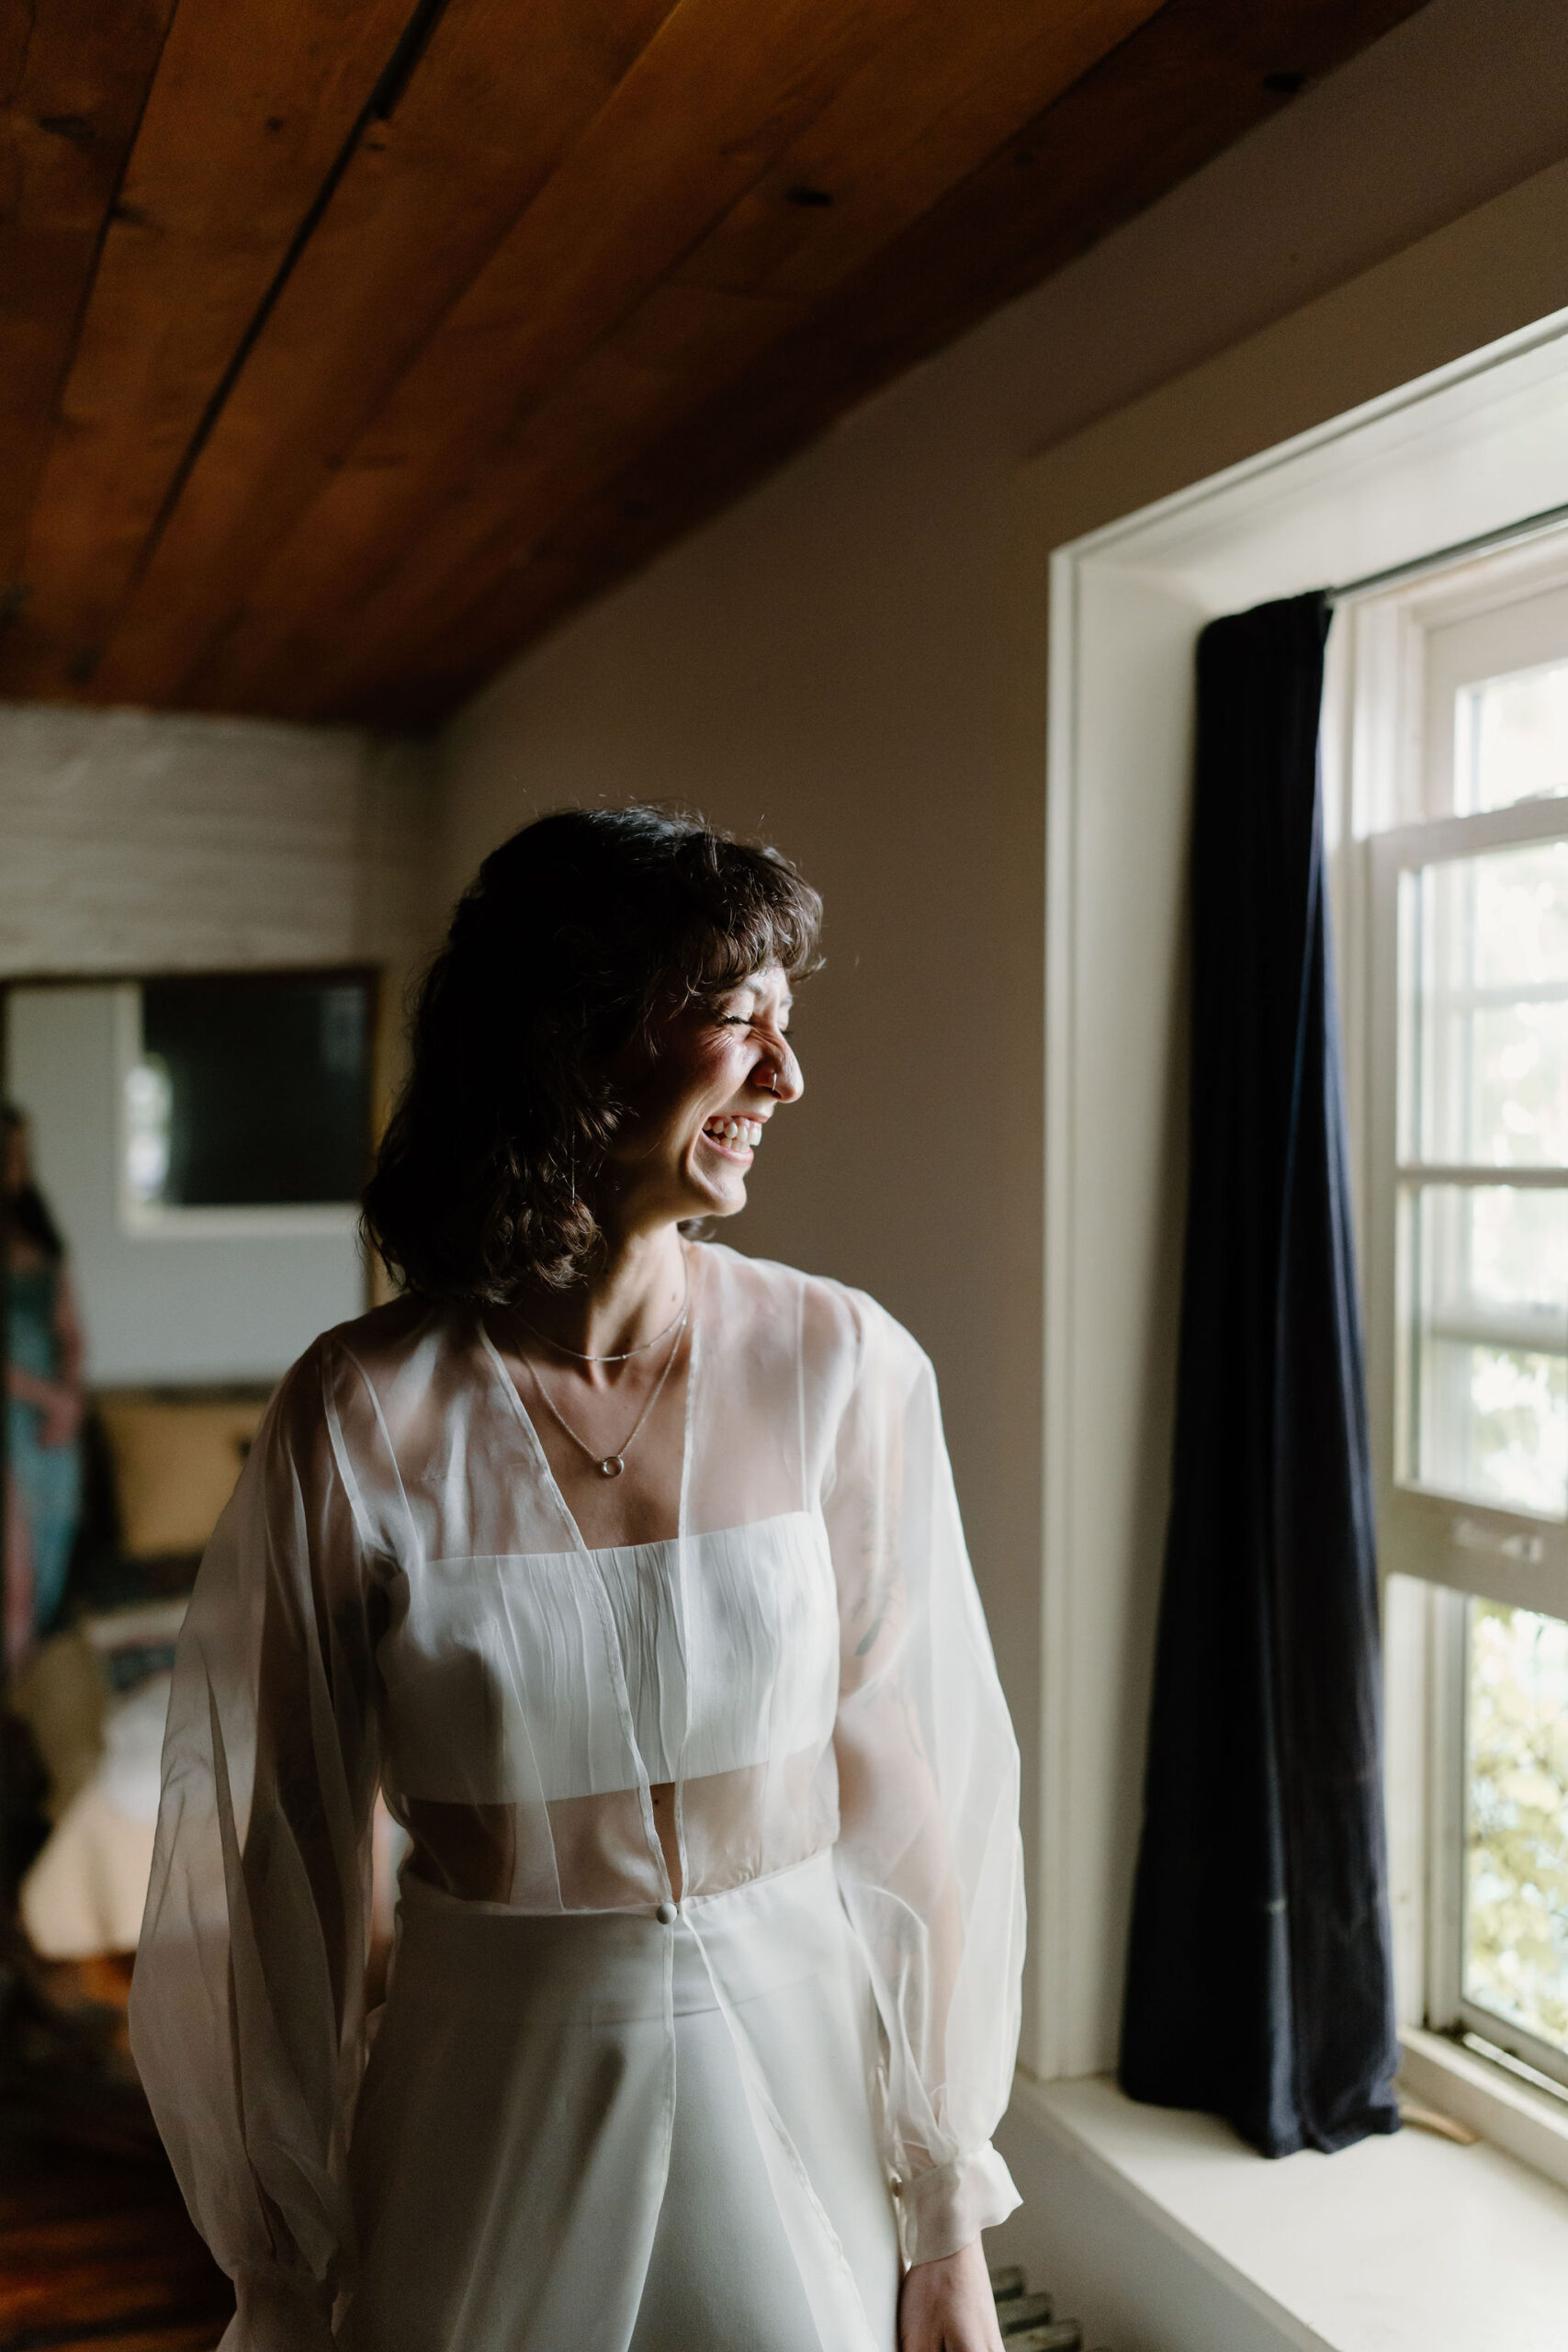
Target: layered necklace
pixel 610 1465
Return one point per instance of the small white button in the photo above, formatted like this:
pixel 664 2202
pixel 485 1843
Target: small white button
pixel 667 1915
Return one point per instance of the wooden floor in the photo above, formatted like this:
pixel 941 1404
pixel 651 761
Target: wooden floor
pixel 97 2254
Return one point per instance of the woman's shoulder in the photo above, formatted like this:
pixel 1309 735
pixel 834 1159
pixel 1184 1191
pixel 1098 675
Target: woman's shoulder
pixel 357 1385
pixel 835 1316
pixel 375 1350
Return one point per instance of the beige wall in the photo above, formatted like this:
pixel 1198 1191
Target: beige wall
pixel 853 661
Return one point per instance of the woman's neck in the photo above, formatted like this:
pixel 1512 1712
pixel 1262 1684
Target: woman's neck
pixel 631 1298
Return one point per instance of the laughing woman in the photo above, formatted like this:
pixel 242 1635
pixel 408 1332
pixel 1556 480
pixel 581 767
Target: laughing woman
pixel 631 1570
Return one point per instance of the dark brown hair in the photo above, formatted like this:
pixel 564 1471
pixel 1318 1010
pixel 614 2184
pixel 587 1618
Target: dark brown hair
pixel 575 935
pixel 25 1214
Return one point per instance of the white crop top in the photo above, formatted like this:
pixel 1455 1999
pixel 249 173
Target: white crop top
pixel 490 1672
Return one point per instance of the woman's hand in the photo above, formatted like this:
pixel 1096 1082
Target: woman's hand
pixel 947 2306
pixel 57 1403
pixel 61 1419
pixel 28 1387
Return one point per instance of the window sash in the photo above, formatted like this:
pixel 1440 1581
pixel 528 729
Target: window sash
pixel 1447 2008
pixel 1396 664
pixel 1453 1541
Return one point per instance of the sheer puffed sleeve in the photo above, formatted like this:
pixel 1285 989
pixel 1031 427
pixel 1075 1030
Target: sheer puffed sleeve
pixel 247 2007
pixel 929 1858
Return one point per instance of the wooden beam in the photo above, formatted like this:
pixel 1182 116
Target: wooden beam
pixel 247 114
pixel 1190 82
pixel 76 74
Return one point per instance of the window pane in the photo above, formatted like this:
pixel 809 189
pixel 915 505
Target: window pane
pixel 1511 737
pixel 1487 1044
pixel 250 1093
pixel 1487 1276
pixel 1515 1909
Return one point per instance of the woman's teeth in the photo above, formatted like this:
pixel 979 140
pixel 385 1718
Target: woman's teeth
pixel 739 1134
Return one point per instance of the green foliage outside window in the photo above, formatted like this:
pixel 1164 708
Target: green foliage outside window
pixel 1516 1959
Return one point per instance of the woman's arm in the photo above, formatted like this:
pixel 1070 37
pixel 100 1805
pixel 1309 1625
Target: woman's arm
pixel 247 2010
pixel 929 1857
pixel 59 1400
pixel 70 1342
pixel 62 1407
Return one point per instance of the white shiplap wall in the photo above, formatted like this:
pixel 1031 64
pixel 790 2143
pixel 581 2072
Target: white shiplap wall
pixel 138 841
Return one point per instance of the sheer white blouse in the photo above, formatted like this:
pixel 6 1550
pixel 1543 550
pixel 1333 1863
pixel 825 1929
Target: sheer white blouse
pixel 398 1596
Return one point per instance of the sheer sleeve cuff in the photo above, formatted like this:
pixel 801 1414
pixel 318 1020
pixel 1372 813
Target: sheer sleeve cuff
pixel 279 2310
pixel 941 2210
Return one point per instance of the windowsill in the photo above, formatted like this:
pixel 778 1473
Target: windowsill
pixel 1510 2113
pixel 1398 2244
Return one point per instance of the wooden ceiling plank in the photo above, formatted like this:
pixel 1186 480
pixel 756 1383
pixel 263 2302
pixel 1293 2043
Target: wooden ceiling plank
pixel 509 462
pixel 245 118
pixel 1110 146
pixel 75 74
pixel 404 233
pixel 699 115
pixel 635 385
pixel 1194 79
pixel 532 603
pixel 951 88
pixel 965 89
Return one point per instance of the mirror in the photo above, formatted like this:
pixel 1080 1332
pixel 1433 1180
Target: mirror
pixel 183 1158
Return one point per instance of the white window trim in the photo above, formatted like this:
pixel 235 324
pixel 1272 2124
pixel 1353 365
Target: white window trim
pixel 1365 491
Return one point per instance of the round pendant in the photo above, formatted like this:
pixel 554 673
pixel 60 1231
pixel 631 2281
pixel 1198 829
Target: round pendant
pixel 612 1466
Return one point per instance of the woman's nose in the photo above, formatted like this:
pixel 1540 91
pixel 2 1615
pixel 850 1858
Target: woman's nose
pixel 780 1074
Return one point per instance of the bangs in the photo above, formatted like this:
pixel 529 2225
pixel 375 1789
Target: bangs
pixel 754 912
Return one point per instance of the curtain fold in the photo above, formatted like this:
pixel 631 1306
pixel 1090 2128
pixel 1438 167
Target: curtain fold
pixel 1260 1980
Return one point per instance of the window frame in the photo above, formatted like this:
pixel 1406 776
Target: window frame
pixel 1399 661
pixel 1423 1531
pixel 157 1221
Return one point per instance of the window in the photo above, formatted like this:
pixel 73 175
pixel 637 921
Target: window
pixel 1459 790
pixel 1514 1949
pixel 245 1100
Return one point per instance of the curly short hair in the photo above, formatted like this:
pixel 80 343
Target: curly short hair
pixel 573 937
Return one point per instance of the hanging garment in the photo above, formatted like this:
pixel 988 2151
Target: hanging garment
pixel 810 2047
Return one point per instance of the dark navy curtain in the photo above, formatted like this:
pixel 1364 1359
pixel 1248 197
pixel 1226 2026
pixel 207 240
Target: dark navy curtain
pixel 1259 1980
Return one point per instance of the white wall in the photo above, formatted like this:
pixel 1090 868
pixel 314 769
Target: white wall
pixel 156 1306
pixel 139 841
pixel 136 841
pixel 853 660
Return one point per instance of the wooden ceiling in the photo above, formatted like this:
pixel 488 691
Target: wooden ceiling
pixel 347 345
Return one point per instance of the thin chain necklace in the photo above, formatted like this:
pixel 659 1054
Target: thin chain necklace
pixel 626 1355
pixel 610 1465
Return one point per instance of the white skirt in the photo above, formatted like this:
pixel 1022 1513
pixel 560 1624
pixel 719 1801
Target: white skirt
pixel 609 2132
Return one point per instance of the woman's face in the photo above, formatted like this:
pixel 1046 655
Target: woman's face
pixel 722 1067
